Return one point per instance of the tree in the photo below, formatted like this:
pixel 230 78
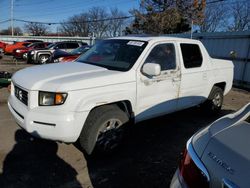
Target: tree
pixel 76 26
pixel 215 19
pixel 166 16
pixel 115 26
pixel 96 25
pixel 36 29
pixel 16 31
pixel 240 12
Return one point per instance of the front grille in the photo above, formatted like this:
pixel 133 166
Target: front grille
pixel 21 95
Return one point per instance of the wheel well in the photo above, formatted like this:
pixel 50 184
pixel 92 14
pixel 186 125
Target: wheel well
pixel 221 85
pixel 125 106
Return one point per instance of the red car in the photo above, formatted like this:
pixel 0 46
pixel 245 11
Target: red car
pixel 9 48
pixel 21 53
pixel 2 44
pixel 68 59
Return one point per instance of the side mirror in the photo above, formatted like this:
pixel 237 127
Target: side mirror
pixel 151 69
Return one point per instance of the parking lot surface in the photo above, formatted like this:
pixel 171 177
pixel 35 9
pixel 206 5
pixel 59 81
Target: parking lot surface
pixel 147 158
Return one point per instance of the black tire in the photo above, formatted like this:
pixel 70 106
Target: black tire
pixel 214 102
pixel 97 135
pixel 43 58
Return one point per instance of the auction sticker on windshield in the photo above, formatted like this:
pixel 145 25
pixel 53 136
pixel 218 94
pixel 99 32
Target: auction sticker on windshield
pixel 135 43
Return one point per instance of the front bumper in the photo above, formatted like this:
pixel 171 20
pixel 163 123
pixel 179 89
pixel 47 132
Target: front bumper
pixel 47 123
pixel 18 55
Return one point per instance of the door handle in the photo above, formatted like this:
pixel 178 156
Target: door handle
pixel 176 79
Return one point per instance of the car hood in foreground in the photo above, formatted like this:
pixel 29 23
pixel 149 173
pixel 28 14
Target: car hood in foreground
pixel 224 148
pixel 68 77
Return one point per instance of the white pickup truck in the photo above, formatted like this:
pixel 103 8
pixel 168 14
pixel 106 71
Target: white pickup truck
pixel 119 80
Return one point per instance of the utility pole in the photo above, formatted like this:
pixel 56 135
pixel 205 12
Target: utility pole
pixel 191 32
pixel 11 17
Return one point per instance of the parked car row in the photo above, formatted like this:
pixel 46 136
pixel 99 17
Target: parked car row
pixel 39 52
pixel 21 53
pixel 41 56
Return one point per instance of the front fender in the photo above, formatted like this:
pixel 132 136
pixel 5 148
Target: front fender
pixel 106 95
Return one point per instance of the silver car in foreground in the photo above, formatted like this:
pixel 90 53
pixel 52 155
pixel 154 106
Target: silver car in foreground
pixel 218 155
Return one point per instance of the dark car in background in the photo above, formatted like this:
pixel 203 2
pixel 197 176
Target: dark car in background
pixel 59 55
pixel 33 40
pixel 42 56
pixel 21 53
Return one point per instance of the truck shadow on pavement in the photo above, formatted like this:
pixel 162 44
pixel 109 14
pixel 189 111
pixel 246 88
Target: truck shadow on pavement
pixel 149 155
pixel 34 163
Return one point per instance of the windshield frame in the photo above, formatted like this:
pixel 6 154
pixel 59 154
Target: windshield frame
pixel 116 68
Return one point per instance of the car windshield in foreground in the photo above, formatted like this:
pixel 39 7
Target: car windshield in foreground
pixel 114 54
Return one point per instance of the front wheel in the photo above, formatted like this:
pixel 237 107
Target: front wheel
pixel 215 100
pixel 25 55
pixel 104 129
pixel 43 58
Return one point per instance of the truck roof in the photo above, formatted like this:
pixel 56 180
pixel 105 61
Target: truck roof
pixel 155 38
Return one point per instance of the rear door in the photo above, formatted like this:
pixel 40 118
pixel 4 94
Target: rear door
pixel 193 89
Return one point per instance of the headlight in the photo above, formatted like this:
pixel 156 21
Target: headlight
pixel 50 98
pixel 32 52
pixel 18 51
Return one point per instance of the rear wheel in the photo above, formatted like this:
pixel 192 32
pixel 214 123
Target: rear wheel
pixel 43 58
pixel 215 100
pixel 104 129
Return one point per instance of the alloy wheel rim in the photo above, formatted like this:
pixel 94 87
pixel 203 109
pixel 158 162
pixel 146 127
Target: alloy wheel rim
pixel 43 59
pixel 109 135
pixel 217 100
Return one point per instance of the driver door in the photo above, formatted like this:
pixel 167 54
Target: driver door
pixel 158 95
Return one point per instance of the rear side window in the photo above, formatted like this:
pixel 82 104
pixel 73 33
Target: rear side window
pixel 61 46
pixel 72 45
pixel 191 55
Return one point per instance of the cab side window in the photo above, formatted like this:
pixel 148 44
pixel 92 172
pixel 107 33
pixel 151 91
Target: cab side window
pixel 72 45
pixel 191 55
pixel 164 55
pixel 61 46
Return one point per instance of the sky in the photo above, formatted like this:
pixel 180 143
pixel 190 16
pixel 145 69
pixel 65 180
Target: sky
pixel 56 10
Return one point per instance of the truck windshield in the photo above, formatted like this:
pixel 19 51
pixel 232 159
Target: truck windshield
pixel 114 54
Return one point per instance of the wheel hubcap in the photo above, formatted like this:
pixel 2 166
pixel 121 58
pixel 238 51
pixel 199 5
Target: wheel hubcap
pixel 217 100
pixel 25 55
pixel 109 134
pixel 43 59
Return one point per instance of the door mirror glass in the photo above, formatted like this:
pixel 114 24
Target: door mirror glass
pixel 151 69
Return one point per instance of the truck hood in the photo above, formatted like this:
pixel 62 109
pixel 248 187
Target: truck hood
pixel 68 77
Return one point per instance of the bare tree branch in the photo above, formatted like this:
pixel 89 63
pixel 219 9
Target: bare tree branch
pixel 36 29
